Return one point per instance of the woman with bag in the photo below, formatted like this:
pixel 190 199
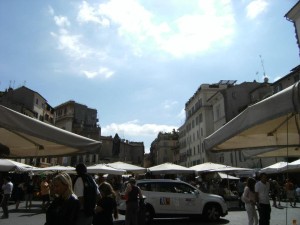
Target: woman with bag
pixel 248 198
pixel 106 206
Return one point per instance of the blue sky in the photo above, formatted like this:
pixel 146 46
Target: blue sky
pixel 138 61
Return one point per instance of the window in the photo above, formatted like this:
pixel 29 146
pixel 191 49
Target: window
pixel 183 188
pixel 221 158
pixel 36 101
pixel 296 78
pixel 145 186
pixel 163 187
pixel 241 158
pixel 200 118
pixel 278 88
pixel 218 112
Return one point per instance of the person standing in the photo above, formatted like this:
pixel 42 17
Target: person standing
pixel 249 198
pixel 240 189
pixel 262 189
pixel 297 194
pixel 87 192
pixel 276 191
pixel 19 194
pixel 106 206
pixel 290 192
pixel 132 192
pixel 45 193
pixel 29 190
pixel 7 188
pixel 65 207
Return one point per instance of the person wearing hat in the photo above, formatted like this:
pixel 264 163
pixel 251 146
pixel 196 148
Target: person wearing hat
pixel 7 188
pixel 133 193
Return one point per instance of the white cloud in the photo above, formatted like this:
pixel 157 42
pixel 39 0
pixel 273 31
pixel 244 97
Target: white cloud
pixel 168 104
pixel 62 21
pixel 212 23
pixel 50 10
pixel 107 73
pixel 255 8
pixel 181 115
pixel 89 14
pixel 71 44
pixel 133 131
pixel 102 72
pixel 89 74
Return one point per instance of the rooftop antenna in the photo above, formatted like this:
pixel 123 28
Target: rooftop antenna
pixel 266 79
pixel 262 64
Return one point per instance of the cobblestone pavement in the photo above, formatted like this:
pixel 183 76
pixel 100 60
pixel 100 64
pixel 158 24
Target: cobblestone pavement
pixel 35 216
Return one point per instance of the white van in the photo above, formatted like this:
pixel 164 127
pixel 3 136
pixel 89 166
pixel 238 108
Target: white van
pixel 175 198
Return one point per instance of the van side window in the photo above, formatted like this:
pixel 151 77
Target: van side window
pixel 183 188
pixel 164 187
pixel 145 186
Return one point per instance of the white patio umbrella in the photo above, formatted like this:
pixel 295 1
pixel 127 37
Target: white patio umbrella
pixel 205 167
pixel 128 167
pixel 215 167
pixel 104 168
pixel 169 168
pixel 226 176
pixel 7 165
pixel 293 166
pixel 54 169
pixel 275 168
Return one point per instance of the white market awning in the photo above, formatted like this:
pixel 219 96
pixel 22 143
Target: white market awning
pixel 22 136
pixel 271 124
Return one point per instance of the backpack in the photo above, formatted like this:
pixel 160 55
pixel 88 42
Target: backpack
pixel 89 194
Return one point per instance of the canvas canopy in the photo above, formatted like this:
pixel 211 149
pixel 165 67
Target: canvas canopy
pixel 271 124
pixel 169 168
pixel 215 167
pixel 295 164
pixel 225 176
pixel 22 136
pixel 275 168
pixel 104 169
pixel 54 169
pixel 206 167
pixel 128 167
pixel 7 165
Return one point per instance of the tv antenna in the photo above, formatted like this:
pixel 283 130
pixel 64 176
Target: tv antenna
pixel 262 64
pixel 266 79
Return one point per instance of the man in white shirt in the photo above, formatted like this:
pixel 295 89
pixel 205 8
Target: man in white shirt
pixel 262 189
pixel 87 192
pixel 7 188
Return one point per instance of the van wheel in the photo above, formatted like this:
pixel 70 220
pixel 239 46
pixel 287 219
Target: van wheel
pixel 212 212
pixel 149 214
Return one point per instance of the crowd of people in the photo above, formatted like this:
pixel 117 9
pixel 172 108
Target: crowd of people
pixel 71 199
pixel 83 200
